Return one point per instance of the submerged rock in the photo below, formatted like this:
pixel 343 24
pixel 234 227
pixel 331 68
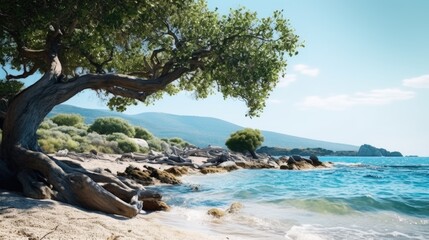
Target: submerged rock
pixel 234 208
pixel 216 212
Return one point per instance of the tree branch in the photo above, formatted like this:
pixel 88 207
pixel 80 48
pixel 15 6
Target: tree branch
pixel 141 96
pixel 25 74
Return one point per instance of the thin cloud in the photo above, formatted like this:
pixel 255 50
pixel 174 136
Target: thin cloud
pixel 286 80
pixel 345 101
pixel 417 82
pixel 306 70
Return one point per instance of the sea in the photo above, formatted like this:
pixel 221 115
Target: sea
pixel 359 198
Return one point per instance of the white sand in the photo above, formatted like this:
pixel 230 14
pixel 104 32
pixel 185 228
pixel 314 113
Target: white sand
pixel 30 219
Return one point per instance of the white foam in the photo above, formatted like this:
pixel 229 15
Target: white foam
pixel 301 233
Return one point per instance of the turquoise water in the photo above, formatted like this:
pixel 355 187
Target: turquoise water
pixel 360 198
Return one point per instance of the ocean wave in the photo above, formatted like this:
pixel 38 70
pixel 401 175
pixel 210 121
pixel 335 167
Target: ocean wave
pixel 318 232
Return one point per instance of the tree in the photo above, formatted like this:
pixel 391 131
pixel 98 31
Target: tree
pixel 245 140
pixel 110 125
pixel 127 52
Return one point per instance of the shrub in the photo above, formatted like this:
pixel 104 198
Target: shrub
pixel 245 140
pixel 67 119
pixel 52 141
pixel 143 133
pixel 177 142
pixel 47 124
pixel 70 130
pixel 112 125
pixel 155 144
pixel 127 145
pixel 116 137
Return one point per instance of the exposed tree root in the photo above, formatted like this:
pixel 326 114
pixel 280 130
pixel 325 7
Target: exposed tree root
pixel 45 177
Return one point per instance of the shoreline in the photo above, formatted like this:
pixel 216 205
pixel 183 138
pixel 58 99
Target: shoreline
pixel 32 219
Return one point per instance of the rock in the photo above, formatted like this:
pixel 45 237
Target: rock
pixel 234 208
pixel 93 151
pixel 241 164
pixel 177 171
pixel 273 164
pixel 206 165
pixel 62 153
pixel 140 176
pixel 316 161
pixel 286 167
pixel 163 176
pixel 228 165
pixel 141 142
pixel 155 205
pixel 212 170
pixel 296 158
pixel 166 148
pixel 215 212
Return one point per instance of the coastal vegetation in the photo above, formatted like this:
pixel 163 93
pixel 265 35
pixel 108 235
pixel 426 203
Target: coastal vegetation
pixel 127 52
pixel 245 140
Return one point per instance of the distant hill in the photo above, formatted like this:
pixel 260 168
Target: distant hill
pixel 200 131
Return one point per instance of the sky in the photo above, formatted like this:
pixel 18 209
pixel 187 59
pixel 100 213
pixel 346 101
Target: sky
pixel 362 77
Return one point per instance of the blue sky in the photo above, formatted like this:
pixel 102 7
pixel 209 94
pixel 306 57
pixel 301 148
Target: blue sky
pixel 363 76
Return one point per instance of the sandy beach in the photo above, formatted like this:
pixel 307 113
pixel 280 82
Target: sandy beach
pixel 26 218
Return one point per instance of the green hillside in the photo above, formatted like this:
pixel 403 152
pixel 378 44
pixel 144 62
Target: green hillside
pixel 201 131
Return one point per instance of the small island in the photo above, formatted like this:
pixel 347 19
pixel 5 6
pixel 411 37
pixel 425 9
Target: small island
pixel 365 150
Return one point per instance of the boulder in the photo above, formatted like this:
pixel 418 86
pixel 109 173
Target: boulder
pixel 141 142
pixel 177 171
pixel 163 176
pixel 208 170
pixel 316 161
pixel 155 205
pixel 215 212
pixel 234 208
pixel 140 176
pixel 228 165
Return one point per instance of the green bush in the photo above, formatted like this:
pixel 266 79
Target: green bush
pixel 116 137
pixel 155 144
pixel 245 140
pixel 70 130
pixel 52 141
pixel 47 124
pixel 143 133
pixel 67 119
pixel 112 125
pixel 127 145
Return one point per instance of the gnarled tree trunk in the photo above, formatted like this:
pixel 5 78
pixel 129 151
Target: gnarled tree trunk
pixel 41 176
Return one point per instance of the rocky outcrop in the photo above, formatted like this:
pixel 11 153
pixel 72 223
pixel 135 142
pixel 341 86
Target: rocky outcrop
pixel 367 150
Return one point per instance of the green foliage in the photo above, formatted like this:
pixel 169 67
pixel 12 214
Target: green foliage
pixel 68 119
pixel 112 125
pixel 116 136
pixel 178 142
pixel 245 140
pixel 70 130
pixel 127 145
pixel 9 88
pixel 155 144
pixel 239 54
pixel 52 141
pixel 47 124
pixel 142 133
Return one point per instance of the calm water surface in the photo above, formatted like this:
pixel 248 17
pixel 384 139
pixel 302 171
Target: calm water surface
pixel 360 198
